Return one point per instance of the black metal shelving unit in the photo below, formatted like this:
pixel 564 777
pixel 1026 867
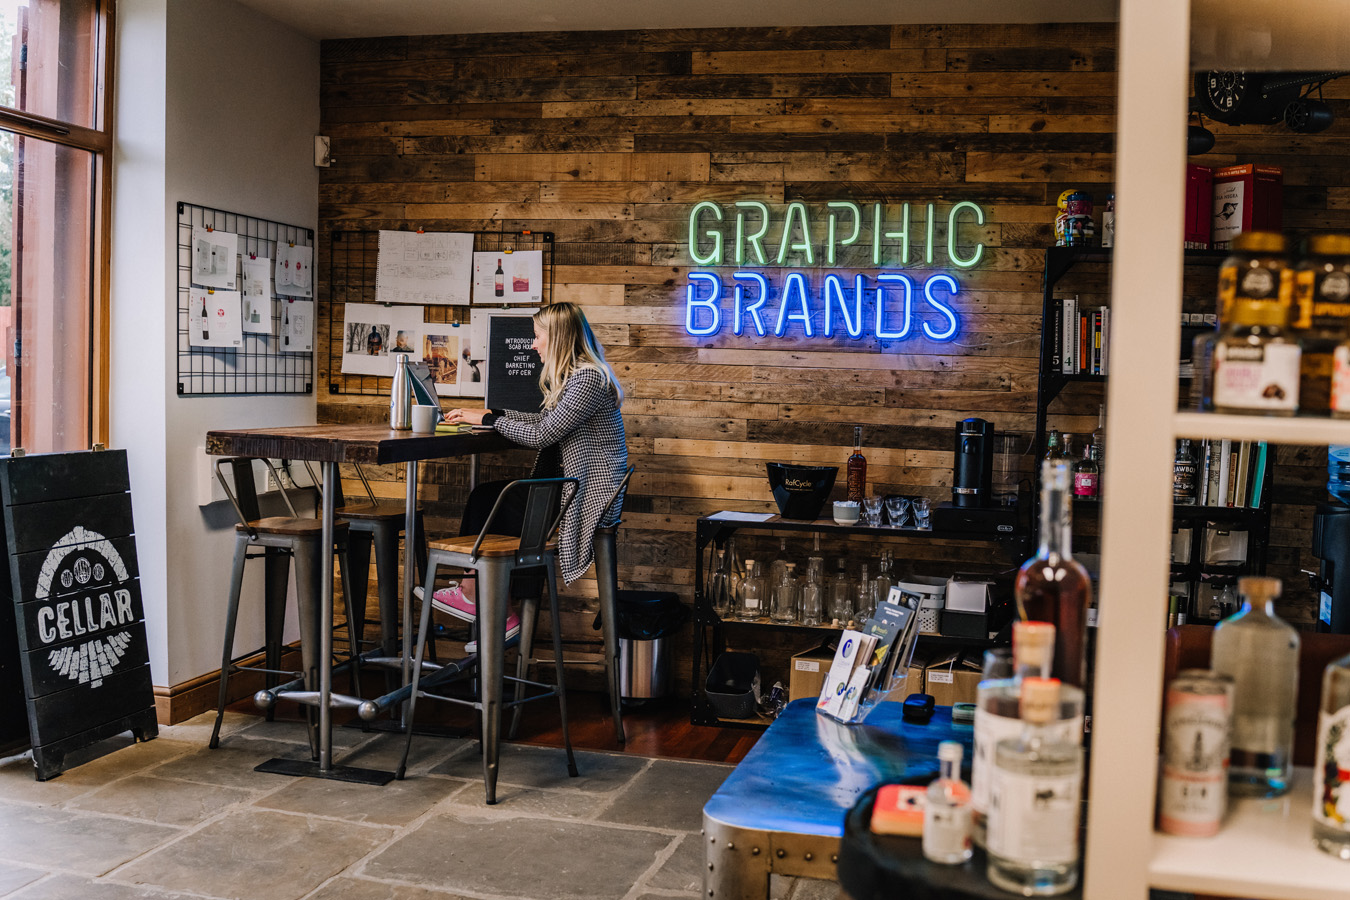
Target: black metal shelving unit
pixel 710 629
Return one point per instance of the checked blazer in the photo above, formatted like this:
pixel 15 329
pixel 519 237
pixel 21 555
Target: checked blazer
pixel 584 433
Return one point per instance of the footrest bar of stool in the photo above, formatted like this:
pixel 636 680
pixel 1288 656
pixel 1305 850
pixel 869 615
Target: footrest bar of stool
pixel 370 710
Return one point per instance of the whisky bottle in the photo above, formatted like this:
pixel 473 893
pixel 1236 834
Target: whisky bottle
pixel 857 469
pixel 1183 475
pixel 1034 801
pixel 1053 587
pixel 1259 651
pixel 1331 775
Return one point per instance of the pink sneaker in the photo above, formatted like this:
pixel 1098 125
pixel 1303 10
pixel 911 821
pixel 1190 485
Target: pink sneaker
pixel 512 629
pixel 451 600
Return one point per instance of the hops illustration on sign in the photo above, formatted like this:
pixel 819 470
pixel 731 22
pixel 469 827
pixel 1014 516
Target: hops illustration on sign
pixel 90 663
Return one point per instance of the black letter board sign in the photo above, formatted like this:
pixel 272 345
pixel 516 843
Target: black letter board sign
pixel 77 626
pixel 513 366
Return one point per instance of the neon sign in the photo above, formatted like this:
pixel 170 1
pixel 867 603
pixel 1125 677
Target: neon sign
pixel 888 305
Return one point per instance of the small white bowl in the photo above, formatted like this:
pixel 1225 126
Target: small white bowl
pixel 846 512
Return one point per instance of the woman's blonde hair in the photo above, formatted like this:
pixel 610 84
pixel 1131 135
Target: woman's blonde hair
pixel 571 344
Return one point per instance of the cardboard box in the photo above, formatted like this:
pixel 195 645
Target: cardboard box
pixel 952 679
pixel 1199 207
pixel 808 672
pixel 1246 198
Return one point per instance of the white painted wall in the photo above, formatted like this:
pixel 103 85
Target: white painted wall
pixel 217 105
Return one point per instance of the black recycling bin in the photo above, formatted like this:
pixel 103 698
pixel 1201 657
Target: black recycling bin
pixel 646 619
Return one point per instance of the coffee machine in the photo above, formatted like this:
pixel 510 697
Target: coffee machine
pixel 1331 544
pixel 973 481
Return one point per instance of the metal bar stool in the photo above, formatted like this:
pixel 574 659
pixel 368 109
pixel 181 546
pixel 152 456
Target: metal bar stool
pixel 279 538
pixel 494 557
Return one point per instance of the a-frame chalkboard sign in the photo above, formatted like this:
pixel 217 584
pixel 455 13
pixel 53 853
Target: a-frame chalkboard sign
pixel 71 620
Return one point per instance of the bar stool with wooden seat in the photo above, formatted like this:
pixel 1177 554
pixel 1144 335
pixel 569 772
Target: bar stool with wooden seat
pixel 493 558
pixel 279 538
pixel 607 589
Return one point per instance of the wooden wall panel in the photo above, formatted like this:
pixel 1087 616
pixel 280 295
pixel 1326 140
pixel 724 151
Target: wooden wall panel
pixel 607 139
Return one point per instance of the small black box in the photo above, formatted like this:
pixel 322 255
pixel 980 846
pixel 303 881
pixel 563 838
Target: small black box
pixel 957 624
pixel 975 519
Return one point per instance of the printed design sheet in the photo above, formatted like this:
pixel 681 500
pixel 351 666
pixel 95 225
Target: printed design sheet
pixel 257 295
pixel 214 318
pixel 297 325
pixel 430 268
pixel 515 277
pixel 295 270
pixel 374 335
pixel 214 258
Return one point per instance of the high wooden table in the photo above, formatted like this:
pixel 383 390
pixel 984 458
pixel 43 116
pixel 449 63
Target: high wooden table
pixel 329 445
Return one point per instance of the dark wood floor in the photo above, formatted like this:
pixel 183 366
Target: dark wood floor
pixel 657 728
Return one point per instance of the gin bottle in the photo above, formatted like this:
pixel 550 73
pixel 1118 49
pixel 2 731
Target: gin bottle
pixel 946 814
pixel 813 592
pixel 1034 801
pixel 717 587
pixel 783 607
pixel 885 579
pixel 841 595
pixel 866 603
pixel 1259 651
pixel 778 565
pixel 752 599
pixel 1331 776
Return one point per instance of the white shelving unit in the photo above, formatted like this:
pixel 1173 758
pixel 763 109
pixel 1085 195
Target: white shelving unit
pixel 1266 850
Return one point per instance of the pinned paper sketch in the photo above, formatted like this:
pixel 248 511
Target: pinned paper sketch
pixel 214 318
pixel 435 267
pixel 295 270
pixel 257 295
pixel 297 325
pixel 374 335
pixel 516 277
pixel 214 258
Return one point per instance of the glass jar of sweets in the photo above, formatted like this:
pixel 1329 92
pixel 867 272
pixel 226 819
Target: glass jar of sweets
pixel 1256 359
pixel 1321 317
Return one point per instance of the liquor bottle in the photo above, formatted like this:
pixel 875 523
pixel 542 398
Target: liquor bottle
pixel 206 322
pixel 1321 319
pixel 1065 447
pixel 946 813
pixel 885 579
pixel 866 603
pixel 1053 587
pixel 998 703
pixel 1331 775
pixel 1034 801
pixel 778 565
pixel 735 576
pixel 857 469
pixel 1183 475
pixel 752 595
pixel 498 280
pixel 1099 437
pixel 841 595
pixel 1052 444
pixel 1256 358
pixel 783 604
pixel 1086 474
pixel 1259 651
pixel 813 592
pixel 718 596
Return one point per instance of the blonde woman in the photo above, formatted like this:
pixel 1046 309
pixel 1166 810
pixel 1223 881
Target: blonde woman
pixel 578 432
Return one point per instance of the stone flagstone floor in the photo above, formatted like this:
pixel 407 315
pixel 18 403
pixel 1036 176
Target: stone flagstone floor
pixel 172 819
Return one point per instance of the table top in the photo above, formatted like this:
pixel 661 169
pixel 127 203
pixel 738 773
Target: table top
pixel 806 771
pixel 365 444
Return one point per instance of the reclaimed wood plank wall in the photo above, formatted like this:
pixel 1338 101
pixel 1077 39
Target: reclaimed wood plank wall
pixel 607 140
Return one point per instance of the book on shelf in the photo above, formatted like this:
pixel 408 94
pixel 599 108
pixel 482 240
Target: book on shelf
pixel 1231 473
pixel 1057 336
pixel 1069 312
pixel 1079 338
pixel 1258 474
pixel 1106 343
pixel 1244 469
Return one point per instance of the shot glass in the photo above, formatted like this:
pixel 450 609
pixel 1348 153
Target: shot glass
pixel 872 511
pixel 923 507
pixel 897 511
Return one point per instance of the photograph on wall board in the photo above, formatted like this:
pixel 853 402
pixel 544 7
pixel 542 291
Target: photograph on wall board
pixel 429 268
pixel 295 270
pixel 515 277
pixel 214 258
pixel 374 335
pixel 214 318
pixel 297 325
pixel 441 352
pixel 257 295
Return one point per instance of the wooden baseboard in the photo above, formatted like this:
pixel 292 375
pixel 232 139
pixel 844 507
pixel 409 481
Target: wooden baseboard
pixel 181 702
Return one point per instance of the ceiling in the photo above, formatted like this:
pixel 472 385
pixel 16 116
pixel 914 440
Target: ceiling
pixel 323 19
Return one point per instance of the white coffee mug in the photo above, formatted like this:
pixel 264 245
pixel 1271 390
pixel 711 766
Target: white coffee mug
pixel 424 419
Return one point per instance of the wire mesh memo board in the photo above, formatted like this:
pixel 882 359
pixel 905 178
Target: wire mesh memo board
pixel 258 366
pixel 352 267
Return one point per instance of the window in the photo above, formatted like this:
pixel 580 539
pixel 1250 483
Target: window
pixel 54 176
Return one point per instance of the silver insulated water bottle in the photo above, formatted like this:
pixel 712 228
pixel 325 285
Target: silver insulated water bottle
pixel 400 396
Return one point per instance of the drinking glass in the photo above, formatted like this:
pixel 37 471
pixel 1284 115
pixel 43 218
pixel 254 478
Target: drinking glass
pixel 872 511
pixel 922 508
pixel 897 511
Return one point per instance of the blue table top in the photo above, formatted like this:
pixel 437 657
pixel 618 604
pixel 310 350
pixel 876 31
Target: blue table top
pixel 807 770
